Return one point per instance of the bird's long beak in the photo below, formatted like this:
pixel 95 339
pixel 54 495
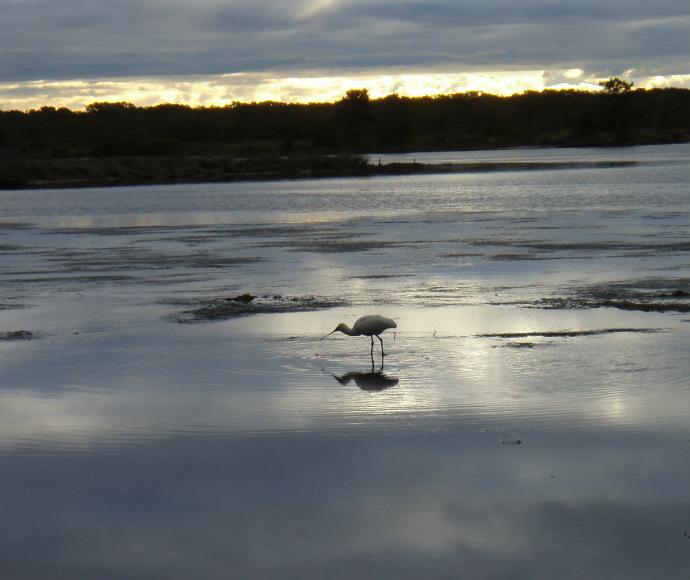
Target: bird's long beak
pixel 329 334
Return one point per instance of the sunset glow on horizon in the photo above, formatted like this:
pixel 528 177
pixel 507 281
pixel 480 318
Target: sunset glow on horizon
pixel 221 90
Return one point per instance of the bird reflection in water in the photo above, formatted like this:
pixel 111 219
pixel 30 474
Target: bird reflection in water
pixel 372 326
pixel 374 380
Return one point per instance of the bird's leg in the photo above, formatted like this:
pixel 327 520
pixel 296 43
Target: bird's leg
pixel 381 341
pixel 372 346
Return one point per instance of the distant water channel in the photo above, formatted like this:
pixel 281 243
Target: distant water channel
pixel 530 419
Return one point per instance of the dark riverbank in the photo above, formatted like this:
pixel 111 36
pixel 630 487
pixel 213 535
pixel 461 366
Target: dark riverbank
pixel 110 172
pixel 120 144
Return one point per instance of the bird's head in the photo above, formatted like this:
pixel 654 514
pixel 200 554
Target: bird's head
pixel 342 327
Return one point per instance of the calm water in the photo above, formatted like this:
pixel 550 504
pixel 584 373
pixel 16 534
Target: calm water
pixel 524 423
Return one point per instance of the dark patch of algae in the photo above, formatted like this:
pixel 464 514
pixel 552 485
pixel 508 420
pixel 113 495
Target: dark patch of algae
pixel 653 295
pixel 17 335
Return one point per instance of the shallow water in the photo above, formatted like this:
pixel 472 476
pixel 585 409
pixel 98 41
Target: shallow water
pixel 526 418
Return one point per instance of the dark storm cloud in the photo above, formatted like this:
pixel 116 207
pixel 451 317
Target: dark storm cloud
pixel 44 39
pixel 496 12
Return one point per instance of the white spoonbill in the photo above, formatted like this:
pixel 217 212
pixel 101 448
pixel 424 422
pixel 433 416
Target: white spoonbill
pixel 372 326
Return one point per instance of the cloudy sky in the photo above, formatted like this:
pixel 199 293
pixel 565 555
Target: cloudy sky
pixel 202 52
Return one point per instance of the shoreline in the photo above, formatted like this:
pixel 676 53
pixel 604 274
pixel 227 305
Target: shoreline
pixel 96 172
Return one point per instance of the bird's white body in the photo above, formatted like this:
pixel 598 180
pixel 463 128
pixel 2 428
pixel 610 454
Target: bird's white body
pixel 371 325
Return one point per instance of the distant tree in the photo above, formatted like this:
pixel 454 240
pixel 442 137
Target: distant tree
pixel 354 112
pixel 106 107
pixel 357 96
pixel 614 86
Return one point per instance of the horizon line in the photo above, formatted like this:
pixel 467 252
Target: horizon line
pixel 222 90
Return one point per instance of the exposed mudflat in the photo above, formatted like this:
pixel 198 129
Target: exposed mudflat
pixel 564 333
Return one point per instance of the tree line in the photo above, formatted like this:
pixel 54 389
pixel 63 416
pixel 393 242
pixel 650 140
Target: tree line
pixel 357 123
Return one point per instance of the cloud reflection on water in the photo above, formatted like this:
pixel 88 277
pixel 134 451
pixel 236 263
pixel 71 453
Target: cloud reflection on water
pixel 290 505
pixel 131 444
pixel 239 383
